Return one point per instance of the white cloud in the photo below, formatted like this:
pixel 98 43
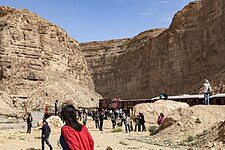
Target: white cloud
pixel 145 14
pixel 72 8
pixel 164 2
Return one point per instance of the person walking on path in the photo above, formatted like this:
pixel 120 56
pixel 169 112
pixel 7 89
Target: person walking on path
pixel 206 91
pixel 46 130
pixel 29 123
pixel 74 136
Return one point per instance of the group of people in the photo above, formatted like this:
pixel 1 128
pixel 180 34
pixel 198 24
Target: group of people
pixel 74 135
pixel 118 117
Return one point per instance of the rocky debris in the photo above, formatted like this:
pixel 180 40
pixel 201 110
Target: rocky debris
pixel 198 120
pixel 108 148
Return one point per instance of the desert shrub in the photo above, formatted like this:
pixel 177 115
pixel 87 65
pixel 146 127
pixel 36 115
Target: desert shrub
pixel 152 130
pixel 189 141
pixel 117 130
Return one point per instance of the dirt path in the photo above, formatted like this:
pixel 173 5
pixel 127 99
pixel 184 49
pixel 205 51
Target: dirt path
pixel 18 139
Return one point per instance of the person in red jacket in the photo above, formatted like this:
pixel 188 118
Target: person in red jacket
pixel 74 136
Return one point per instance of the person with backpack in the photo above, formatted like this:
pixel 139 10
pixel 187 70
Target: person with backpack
pixel 74 136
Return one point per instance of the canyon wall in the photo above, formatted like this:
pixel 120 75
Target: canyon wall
pixel 174 60
pixel 40 63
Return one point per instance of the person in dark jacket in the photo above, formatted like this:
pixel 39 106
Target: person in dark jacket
pixel 29 123
pixel 142 121
pixel 46 130
pixel 101 118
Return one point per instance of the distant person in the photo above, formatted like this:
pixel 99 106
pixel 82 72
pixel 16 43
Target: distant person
pixel 74 136
pixel 127 123
pixel 137 123
pixel 84 117
pixel 142 121
pixel 101 118
pixel 96 119
pixel 206 91
pixel 56 107
pixel 113 120
pixel 46 113
pixel 29 123
pixel 161 119
pixel 46 130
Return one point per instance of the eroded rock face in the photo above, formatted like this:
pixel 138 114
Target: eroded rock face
pixel 40 62
pixel 174 60
pixel 111 77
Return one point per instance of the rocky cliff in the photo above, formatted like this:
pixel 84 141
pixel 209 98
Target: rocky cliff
pixel 40 63
pixel 173 60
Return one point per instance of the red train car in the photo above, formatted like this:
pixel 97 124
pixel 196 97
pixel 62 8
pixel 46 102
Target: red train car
pixel 120 103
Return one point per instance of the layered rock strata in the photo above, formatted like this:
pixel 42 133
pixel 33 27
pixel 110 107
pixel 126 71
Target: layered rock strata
pixel 40 63
pixel 174 60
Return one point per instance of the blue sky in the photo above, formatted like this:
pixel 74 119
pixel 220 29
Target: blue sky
pixel 98 20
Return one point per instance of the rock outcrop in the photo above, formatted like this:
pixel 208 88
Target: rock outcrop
pixel 174 60
pixel 40 63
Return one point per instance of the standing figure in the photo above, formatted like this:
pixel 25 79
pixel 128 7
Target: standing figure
pixel 56 107
pixel 29 123
pixel 127 123
pixel 206 91
pixel 137 123
pixel 101 118
pixel 46 113
pixel 96 119
pixel 142 121
pixel 113 120
pixel 74 136
pixel 84 117
pixel 46 130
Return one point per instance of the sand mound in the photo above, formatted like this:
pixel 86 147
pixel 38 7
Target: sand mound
pixel 152 110
pixel 201 126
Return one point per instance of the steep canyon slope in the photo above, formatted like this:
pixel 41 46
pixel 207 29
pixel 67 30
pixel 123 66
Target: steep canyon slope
pixel 173 60
pixel 40 63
